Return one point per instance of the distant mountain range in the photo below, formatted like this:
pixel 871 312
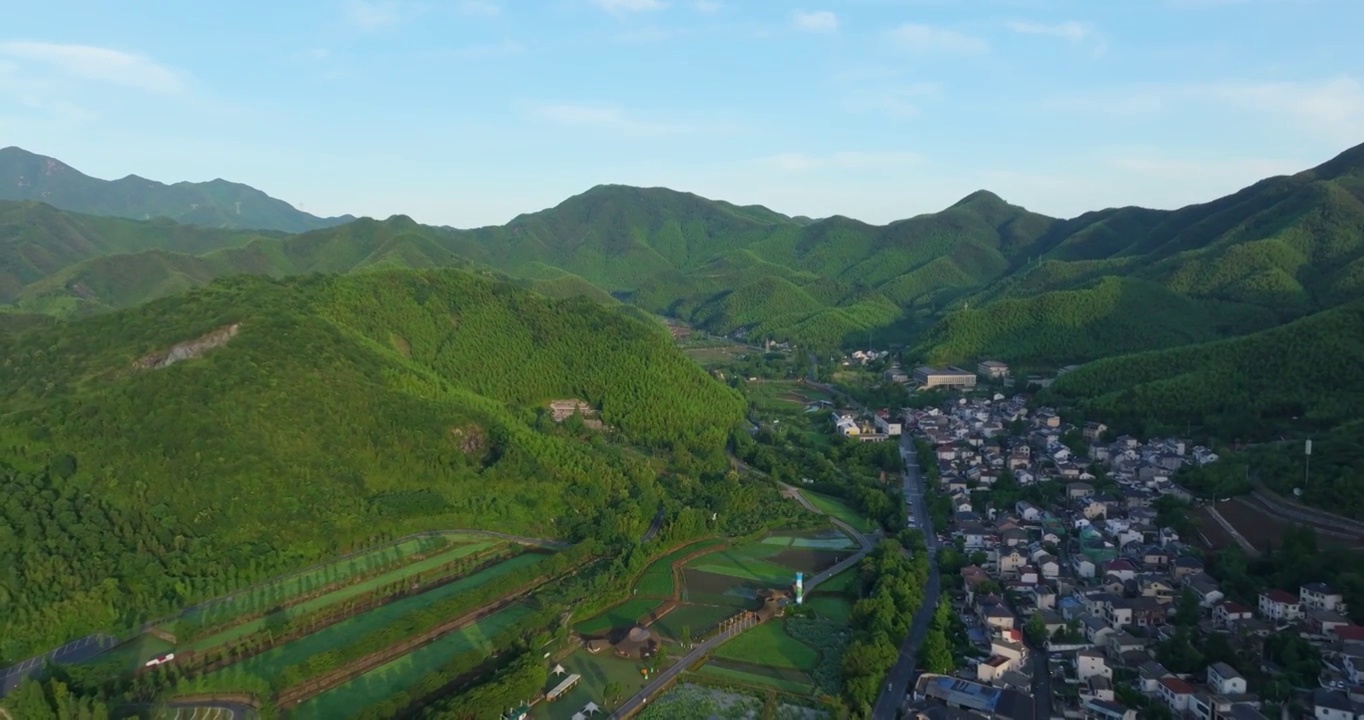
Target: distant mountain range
pixel 216 204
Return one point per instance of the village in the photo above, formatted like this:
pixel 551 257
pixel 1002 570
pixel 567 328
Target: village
pixel 1068 584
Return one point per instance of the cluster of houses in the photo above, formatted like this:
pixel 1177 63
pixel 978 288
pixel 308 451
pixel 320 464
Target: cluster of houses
pixel 879 426
pixel 1097 573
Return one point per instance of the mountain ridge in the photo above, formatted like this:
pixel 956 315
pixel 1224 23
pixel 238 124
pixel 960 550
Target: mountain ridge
pixel 216 203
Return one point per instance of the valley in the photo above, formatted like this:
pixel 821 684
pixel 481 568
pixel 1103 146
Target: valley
pixel 573 464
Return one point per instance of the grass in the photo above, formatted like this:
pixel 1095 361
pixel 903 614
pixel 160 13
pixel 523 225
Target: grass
pixel 771 646
pixel 622 615
pixel 837 509
pixel 834 608
pixel 270 663
pixel 657 579
pixel 792 682
pixel 596 671
pixel 737 563
pixel 351 591
pixel 700 619
pixel 346 700
pixel 264 597
pixel 840 583
pixel 132 654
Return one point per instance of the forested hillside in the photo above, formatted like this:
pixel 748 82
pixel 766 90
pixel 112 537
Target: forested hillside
pixel 174 450
pixel 981 278
pixel 38 241
pixel 215 204
pixel 1301 377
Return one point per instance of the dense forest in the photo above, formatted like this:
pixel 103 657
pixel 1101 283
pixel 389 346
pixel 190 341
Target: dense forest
pixel 319 406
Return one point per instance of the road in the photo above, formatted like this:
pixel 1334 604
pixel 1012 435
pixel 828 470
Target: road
pixel 654 527
pixel 665 678
pixel 903 671
pixel 86 648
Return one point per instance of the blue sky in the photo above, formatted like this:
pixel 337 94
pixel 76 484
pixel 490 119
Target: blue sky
pixel 467 112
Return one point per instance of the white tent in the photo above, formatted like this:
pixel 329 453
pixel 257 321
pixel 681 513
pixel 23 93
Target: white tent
pixel 559 670
pixel 579 716
pixel 591 708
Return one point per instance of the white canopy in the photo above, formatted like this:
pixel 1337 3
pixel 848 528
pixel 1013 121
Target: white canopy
pixel 591 708
pixel 559 670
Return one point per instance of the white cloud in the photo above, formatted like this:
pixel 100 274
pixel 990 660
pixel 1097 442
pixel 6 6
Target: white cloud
pixel 815 21
pixel 371 14
pixel 1069 30
pixel 848 160
pixel 1332 107
pixel 95 63
pixel 617 6
pixel 707 6
pixel 484 8
pixel 606 117
pixel 898 101
pixel 930 39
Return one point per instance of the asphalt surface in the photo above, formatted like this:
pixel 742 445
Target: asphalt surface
pixel 902 673
pixel 663 679
pixel 653 527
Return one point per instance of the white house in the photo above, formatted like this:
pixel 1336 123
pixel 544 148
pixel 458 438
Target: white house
pixel 1224 680
pixel 1175 693
pixel 1279 605
pixel 886 425
pixel 1091 663
pixel 1320 596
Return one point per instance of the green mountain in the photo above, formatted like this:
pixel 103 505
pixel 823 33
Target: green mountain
pixel 180 448
pixel 217 204
pixel 980 278
pixel 38 241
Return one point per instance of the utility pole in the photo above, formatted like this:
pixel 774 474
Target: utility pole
pixel 1307 464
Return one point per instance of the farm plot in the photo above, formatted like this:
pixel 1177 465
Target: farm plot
pixel 269 595
pixel 340 595
pixel 744 563
pixel 657 579
pixel 347 700
pixel 697 619
pixel 596 671
pixel 770 645
pixel 792 681
pixel 622 615
pixel 269 664
pixel 838 509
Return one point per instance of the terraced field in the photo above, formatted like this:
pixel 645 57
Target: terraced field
pixel 349 699
pixel 269 664
pixel 391 577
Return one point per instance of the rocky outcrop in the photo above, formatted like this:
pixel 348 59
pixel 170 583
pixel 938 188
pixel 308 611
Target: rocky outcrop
pixel 189 349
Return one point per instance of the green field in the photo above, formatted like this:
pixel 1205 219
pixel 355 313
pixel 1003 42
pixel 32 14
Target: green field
pixel 596 671
pixel 835 608
pixel 699 618
pixel 274 593
pixel 840 583
pixel 270 663
pixel 769 645
pixel 792 681
pixel 132 654
pixel 346 700
pixel 351 591
pixel 622 615
pixel 741 563
pixel 837 509
pixel 657 579
pixel 827 541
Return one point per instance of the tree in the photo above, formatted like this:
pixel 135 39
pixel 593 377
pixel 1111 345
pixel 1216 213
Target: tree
pixel 613 690
pixel 1035 629
pixel 685 636
pixel 936 654
pixel 1187 610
